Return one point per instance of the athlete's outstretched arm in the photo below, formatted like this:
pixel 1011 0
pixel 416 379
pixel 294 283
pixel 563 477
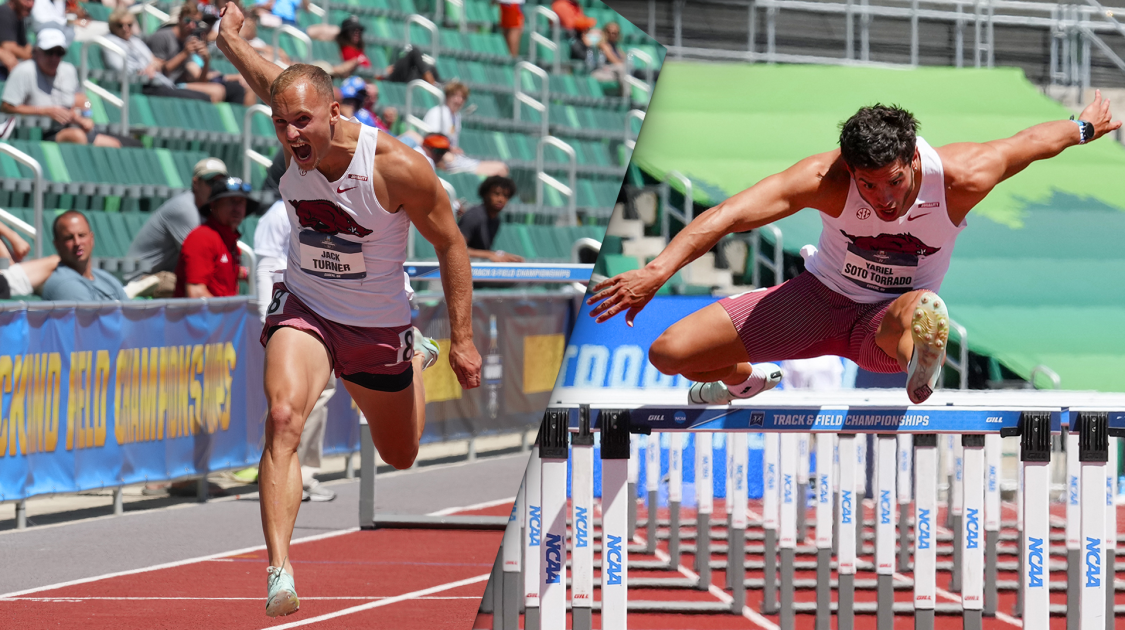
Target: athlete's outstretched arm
pixel 258 72
pixel 973 170
pixel 415 188
pixel 775 197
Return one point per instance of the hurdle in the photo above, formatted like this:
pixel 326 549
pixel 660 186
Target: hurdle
pixel 980 418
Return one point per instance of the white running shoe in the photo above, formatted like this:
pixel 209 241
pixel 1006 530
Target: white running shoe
pixel 930 329
pixel 764 377
pixel 428 349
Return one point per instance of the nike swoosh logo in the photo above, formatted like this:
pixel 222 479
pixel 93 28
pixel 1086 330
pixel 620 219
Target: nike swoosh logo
pixel 918 216
pixel 341 190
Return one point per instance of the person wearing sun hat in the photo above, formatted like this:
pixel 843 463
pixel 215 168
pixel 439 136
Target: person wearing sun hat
pixel 209 264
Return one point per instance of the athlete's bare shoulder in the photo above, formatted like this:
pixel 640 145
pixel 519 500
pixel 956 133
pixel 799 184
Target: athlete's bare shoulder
pixel 405 174
pixel 824 181
pixel 969 166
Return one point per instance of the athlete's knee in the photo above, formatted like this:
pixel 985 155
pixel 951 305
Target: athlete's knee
pixel 285 424
pixel 668 354
pixel 400 458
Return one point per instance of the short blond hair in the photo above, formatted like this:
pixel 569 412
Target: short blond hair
pixel 314 75
pixel 455 86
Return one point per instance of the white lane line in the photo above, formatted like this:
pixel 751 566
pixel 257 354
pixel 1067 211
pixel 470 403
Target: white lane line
pixel 715 591
pixel 171 565
pixel 385 602
pixel 475 506
pixel 219 599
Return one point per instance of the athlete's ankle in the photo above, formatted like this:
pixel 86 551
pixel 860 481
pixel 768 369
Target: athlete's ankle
pixel 738 374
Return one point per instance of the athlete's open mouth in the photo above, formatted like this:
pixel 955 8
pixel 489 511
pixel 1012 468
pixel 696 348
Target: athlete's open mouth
pixel 301 151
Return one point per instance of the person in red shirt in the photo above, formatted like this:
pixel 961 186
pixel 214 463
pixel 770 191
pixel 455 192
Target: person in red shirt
pixel 209 261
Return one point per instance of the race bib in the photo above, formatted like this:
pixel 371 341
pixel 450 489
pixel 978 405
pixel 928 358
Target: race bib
pixel 326 256
pixel 882 271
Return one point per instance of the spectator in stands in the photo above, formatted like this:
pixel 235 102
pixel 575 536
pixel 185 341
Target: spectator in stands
pixel 481 223
pixel 411 65
pixel 76 279
pixel 511 23
pixel 14 46
pixel 446 120
pixel 182 47
pixel 350 41
pixel 577 25
pixel 209 264
pixel 159 241
pixel 611 59
pixel 46 85
pixel 54 14
pixel 356 101
pixel 138 58
pixel 19 277
pixel 274 13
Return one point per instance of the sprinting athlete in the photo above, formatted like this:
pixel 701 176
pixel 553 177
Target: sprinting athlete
pixel 892 207
pixel 351 193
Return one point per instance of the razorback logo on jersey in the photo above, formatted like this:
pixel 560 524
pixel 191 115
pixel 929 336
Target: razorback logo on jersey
pixel 898 243
pixel 327 217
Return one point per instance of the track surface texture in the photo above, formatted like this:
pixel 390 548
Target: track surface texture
pixel 203 566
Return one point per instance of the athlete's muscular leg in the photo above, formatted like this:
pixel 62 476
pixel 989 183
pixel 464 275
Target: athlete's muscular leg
pixel 396 419
pixel 703 347
pixel 297 370
pixel 893 336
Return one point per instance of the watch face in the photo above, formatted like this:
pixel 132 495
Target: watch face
pixel 1087 130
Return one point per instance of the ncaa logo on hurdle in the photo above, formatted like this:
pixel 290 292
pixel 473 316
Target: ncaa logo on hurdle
pixel 885 507
pixel 680 417
pixel 1093 562
pixel 972 528
pixel 845 506
pixel 581 527
pixel 613 560
pixel 787 489
pixel 554 558
pixel 1035 562
pixel 534 524
pixel 924 524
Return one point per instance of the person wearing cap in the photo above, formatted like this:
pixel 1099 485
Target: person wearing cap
pixel 76 279
pixel 209 264
pixel 159 241
pixel 45 85
pixel 355 94
pixel 14 46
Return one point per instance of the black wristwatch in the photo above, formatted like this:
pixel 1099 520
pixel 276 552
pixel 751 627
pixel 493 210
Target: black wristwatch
pixel 1087 130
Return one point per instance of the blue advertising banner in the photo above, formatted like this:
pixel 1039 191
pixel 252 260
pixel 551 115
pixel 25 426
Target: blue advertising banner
pixel 105 395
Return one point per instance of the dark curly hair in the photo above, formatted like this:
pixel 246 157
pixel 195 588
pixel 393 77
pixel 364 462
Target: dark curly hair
pixel 497 181
pixel 878 135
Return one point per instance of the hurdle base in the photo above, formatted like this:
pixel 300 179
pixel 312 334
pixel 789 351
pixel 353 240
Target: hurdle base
pixel 650 526
pixel 904 563
pixel 1017 610
pixel 512 598
pixel 736 573
pixel 802 511
pixel 955 580
pixel 923 619
pixel 531 618
pixel 991 595
pixel 491 588
pixel 632 524
pixel 972 620
pixel 1073 587
pixel 1111 590
pixel 674 535
pixel 845 609
pixel 582 617
pixel 769 591
pixel 703 550
pixel 787 591
pixel 823 589
pixel 886 601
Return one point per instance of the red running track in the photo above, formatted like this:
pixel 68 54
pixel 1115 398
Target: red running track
pixel 387 578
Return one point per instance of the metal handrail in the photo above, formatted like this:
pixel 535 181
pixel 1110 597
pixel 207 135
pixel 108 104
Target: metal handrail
pixel 147 10
pixel 410 118
pixel 630 139
pixel 121 102
pixel 541 177
pixel 686 214
pixel 320 12
pixel 537 39
pixel 17 223
pixel 252 277
pixel 435 34
pixel 247 139
pixel 775 264
pixel 520 97
pixel 1056 382
pixel 632 81
pixel 31 163
pixel 294 32
pixel 584 242
pixel 962 363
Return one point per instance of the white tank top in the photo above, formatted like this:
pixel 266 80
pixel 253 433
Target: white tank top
pixel 871 260
pixel 346 251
